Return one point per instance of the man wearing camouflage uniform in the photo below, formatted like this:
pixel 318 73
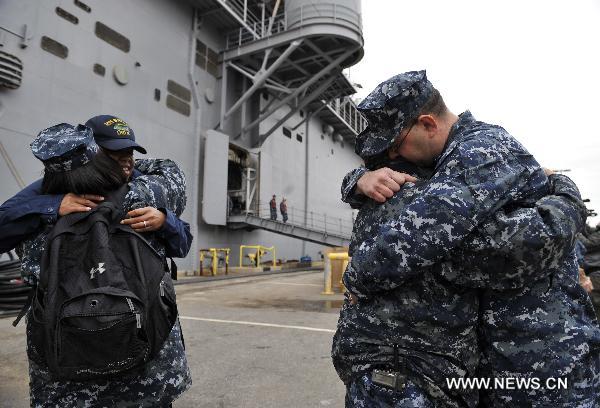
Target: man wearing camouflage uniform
pixel 469 225
pixel 162 379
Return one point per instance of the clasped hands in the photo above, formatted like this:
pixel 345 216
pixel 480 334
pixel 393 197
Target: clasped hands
pixel 144 219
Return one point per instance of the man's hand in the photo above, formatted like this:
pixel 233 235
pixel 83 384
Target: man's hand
pixel 353 299
pixel 145 219
pixel 585 281
pixel 381 184
pixel 548 171
pixel 72 203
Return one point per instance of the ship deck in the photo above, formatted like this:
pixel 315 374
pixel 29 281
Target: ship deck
pixel 251 342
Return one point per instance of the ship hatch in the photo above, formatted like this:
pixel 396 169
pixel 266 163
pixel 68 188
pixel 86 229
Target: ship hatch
pixel 214 191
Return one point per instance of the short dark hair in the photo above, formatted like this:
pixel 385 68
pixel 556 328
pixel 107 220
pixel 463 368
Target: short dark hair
pixel 100 176
pixel 435 105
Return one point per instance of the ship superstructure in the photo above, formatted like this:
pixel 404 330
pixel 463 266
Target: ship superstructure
pixel 247 97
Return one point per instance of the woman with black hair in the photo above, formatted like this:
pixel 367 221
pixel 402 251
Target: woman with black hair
pixel 74 164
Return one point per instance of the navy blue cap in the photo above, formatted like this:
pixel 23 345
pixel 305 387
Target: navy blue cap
pixel 389 108
pixel 64 147
pixel 113 133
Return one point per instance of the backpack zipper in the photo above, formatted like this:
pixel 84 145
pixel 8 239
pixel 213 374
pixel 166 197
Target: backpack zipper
pixel 138 318
pixel 162 288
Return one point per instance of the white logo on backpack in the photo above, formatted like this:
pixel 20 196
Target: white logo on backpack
pixel 100 269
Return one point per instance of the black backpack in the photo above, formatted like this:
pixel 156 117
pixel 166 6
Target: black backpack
pixel 105 301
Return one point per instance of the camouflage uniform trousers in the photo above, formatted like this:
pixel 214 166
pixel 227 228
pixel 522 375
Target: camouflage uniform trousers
pixel 156 384
pixel 363 393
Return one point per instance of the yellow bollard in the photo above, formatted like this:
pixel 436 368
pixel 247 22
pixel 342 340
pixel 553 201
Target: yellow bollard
pixel 260 251
pixel 328 275
pixel 214 254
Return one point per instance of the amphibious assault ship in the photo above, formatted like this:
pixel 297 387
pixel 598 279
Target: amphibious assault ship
pixel 248 97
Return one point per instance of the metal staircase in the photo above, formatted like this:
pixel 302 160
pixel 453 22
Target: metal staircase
pixel 307 226
pixel 294 52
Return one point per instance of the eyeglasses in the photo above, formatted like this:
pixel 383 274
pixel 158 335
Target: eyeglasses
pixel 397 146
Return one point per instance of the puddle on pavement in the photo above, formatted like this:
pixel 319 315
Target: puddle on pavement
pixel 331 306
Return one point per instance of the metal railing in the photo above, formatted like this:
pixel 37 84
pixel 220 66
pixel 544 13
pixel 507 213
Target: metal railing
pixel 240 7
pixel 345 108
pixel 301 16
pixel 312 220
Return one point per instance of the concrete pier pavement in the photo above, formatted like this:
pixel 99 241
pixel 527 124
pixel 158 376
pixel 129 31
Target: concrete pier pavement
pixel 251 342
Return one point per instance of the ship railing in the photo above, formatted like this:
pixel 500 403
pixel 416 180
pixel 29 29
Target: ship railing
pixel 240 7
pixel 295 18
pixel 346 109
pixel 312 220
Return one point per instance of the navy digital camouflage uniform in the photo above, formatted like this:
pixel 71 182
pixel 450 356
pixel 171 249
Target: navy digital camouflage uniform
pixel 481 170
pixel 161 380
pixel 434 321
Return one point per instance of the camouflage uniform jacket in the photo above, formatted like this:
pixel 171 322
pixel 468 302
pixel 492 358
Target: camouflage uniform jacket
pixel 481 170
pixel 510 248
pixel 434 321
pixel 161 380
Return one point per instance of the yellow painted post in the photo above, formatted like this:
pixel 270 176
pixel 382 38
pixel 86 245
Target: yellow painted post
pixel 201 261
pixel 241 253
pixel 226 261
pixel 260 251
pixel 215 261
pixel 328 276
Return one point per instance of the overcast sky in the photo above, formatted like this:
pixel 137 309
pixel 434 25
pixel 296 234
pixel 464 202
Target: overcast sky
pixel 531 66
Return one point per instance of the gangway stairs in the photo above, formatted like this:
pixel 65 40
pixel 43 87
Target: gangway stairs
pixel 295 231
pixel 307 226
pixel 294 52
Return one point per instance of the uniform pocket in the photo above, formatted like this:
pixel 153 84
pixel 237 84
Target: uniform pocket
pixel 168 304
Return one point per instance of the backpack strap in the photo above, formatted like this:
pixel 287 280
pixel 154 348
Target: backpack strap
pixel 25 307
pixel 172 269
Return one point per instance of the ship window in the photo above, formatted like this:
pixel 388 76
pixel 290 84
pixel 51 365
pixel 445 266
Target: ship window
pixel 287 132
pixel 213 56
pixel 212 69
pixel 179 91
pixel 207 58
pixel 83 6
pixel 331 151
pixel 112 37
pixel 67 16
pixel 322 136
pixel 99 69
pixel 301 113
pixel 212 62
pixel 157 94
pixel 54 47
pixel 200 54
pixel 178 105
pixel 299 137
